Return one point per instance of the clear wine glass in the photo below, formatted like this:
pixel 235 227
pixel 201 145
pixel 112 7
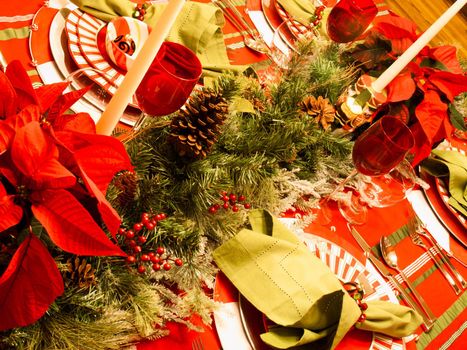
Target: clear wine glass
pixel 349 19
pixel 376 152
pixel 283 46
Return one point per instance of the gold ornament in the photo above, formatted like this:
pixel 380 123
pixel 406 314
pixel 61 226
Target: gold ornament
pixel 320 109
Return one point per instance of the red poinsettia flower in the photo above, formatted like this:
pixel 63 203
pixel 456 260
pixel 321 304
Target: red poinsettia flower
pixel 427 86
pixel 52 165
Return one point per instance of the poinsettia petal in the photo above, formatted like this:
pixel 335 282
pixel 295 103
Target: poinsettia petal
pixel 6 135
pixel 447 55
pixel 70 226
pixel 51 175
pixel 9 126
pixel 100 156
pixel 29 285
pixel 430 113
pixel 401 88
pixel 422 147
pixel 449 83
pixel 8 98
pixel 395 27
pixel 81 122
pixel 108 213
pixel 31 148
pixel 10 212
pixel 48 94
pixel 28 114
pixel 22 84
pixel 65 101
pixel 400 31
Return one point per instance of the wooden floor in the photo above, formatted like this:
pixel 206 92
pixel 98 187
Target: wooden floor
pixel 425 12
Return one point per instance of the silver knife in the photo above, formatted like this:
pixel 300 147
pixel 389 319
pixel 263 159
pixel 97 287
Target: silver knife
pixel 427 321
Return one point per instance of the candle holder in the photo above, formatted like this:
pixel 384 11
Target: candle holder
pixel 357 105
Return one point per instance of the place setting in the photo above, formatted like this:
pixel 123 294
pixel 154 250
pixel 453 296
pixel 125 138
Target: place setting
pixel 68 60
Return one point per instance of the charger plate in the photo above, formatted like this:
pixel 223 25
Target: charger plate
pixel 86 35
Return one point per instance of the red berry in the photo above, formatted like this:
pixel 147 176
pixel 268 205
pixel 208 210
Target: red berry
pixel 145 257
pixel 137 249
pixel 141 269
pixel 151 255
pixel 247 205
pixel 160 250
pixel 137 227
pixel 232 197
pixel 217 206
pixel 234 208
pixel 130 234
pixel 142 239
pixel 145 220
pixel 121 231
pixel 241 198
pixel 156 267
pixel 225 205
pixel 224 198
pixel 212 209
pixel 158 217
pixel 178 262
pixel 132 243
pixel 163 216
pixel 130 259
pixel 155 259
pixel 150 226
pixel 167 266
pixel 223 193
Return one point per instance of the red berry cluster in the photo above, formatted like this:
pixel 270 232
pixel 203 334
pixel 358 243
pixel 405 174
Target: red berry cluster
pixel 229 201
pixel 134 239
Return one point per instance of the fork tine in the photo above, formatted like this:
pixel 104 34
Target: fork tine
pixel 414 233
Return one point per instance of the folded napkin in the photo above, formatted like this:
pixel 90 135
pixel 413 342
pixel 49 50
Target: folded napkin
pixel 300 10
pixel 197 27
pixel 280 276
pixel 451 164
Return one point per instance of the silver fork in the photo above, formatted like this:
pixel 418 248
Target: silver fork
pixel 197 344
pixel 423 232
pixel 416 239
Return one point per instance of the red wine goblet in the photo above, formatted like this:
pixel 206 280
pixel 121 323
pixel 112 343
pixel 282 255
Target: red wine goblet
pixel 348 19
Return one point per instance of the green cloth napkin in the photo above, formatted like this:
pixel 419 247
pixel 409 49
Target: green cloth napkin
pixel 453 165
pixel 197 27
pixel 300 10
pixel 280 276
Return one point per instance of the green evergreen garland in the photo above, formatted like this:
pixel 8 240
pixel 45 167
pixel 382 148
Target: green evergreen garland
pixel 268 151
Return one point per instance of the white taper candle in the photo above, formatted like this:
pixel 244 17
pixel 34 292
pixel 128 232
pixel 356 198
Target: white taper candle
pixel 116 107
pixel 404 59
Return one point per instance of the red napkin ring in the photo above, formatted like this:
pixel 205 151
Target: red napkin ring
pixel 357 293
pixel 140 9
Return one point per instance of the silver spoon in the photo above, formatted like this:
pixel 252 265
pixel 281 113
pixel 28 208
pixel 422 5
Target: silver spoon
pixel 251 40
pixel 390 257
